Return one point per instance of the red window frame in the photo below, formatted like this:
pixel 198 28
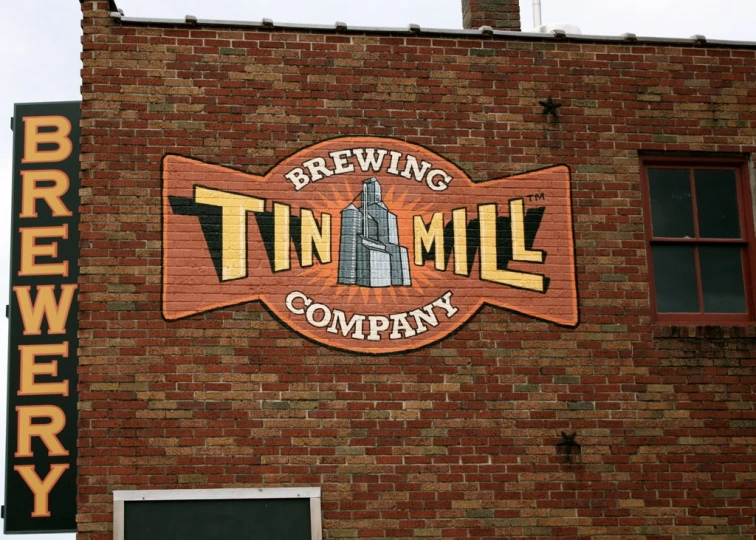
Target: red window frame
pixel 747 239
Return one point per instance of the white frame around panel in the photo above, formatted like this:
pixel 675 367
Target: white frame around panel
pixel 121 497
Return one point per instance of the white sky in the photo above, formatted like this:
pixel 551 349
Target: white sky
pixel 39 40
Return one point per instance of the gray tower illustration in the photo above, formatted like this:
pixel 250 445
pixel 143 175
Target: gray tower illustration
pixel 370 254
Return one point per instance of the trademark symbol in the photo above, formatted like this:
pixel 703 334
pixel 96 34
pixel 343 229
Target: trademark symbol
pixel 536 197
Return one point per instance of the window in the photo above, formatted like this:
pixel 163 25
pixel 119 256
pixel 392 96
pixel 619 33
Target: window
pixel 230 514
pixel 699 232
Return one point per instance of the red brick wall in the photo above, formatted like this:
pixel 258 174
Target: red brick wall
pixel 454 440
pixel 498 14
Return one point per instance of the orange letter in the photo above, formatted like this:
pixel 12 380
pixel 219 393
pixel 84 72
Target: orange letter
pixel 30 250
pixel 40 488
pixel 44 305
pixel 33 138
pixel 31 191
pixel 30 369
pixel 47 432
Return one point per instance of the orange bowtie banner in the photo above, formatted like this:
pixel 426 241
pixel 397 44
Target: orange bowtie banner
pixel 367 244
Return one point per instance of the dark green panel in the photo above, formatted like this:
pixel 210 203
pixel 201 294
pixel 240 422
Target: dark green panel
pixel 236 519
pixel 19 499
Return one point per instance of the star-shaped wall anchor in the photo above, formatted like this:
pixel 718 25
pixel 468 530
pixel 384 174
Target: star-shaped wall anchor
pixel 569 444
pixel 549 107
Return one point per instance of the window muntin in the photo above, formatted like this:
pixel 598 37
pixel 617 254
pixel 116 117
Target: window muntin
pixel 699 239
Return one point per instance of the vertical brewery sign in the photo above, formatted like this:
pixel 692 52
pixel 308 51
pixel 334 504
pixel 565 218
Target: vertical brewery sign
pixel 40 475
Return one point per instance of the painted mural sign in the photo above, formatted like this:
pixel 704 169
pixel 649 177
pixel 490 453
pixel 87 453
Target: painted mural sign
pixel 367 244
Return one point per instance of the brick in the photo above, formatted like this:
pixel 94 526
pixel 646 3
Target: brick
pixel 457 439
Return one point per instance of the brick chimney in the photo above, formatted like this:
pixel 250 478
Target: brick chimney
pixel 498 14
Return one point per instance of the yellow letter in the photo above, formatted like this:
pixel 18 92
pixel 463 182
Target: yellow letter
pixel 489 271
pixel 33 138
pixel 431 238
pixel 47 432
pixel 517 216
pixel 45 305
pixel 31 191
pixel 233 227
pixel 459 219
pixel 281 237
pixel 30 250
pixel 30 369
pixel 40 488
pixel 314 237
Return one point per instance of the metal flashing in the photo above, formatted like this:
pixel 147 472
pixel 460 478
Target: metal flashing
pixel 416 30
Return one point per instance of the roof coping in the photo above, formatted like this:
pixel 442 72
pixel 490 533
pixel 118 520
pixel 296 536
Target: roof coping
pixel 415 30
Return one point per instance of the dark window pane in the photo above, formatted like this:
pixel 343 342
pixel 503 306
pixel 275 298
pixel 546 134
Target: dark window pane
pixel 671 203
pixel 675 279
pixel 717 201
pixel 722 279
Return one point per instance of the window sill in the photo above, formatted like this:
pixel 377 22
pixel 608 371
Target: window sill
pixel 704 331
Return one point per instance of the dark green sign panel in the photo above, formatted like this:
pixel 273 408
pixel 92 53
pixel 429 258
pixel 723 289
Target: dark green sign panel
pixel 241 519
pixel 231 514
pixel 40 474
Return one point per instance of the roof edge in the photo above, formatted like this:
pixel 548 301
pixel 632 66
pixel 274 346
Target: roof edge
pixel 414 29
